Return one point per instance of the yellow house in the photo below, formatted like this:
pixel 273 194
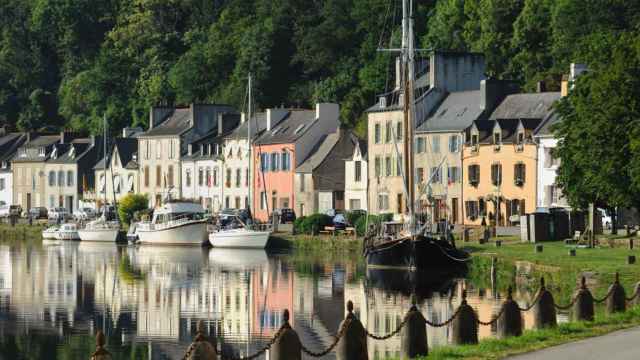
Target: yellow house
pixel 499 159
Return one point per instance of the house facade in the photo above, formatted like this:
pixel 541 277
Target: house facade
pixel 161 147
pixel 356 178
pixel 320 180
pixel 121 176
pixel 500 159
pixel 283 147
pixel 9 144
pixel 446 72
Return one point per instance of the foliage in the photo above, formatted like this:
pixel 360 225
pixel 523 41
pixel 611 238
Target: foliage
pixel 364 221
pixel 130 204
pixel 353 216
pixel 315 222
pixel 297 224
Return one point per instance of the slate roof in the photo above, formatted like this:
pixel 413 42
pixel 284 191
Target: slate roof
pixel 326 145
pixel 456 112
pixel 127 147
pixel 509 129
pixel 9 145
pixel 525 106
pixel 258 125
pixel 43 140
pixel 421 86
pixel 64 152
pixel 285 131
pixel 36 142
pixel 544 129
pixel 178 122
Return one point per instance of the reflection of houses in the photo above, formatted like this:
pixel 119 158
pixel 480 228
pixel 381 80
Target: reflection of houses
pixel 6 273
pixel 272 293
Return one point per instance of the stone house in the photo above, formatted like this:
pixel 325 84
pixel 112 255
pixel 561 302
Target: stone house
pixel 9 144
pixel 356 178
pixel 121 176
pixel 445 72
pixel 161 147
pixel 320 180
pixel 284 146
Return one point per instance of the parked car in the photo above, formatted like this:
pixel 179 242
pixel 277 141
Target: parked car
pixel 85 214
pixel 58 214
pixel 4 211
pixel 286 215
pixel 14 210
pixel 340 222
pixel 39 212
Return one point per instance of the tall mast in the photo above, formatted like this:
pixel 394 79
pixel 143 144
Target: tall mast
pixel 407 75
pixel 104 152
pixel 249 157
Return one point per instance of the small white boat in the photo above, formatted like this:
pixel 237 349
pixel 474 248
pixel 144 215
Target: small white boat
pixel 67 231
pixel 241 237
pixel 100 230
pixel 50 233
pixel 175 223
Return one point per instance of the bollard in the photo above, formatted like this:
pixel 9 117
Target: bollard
pixel 630 243
pixel 353 343
pixel 636 295
pixel 539 248
pixel 287 345
pixel 572 252
pixel 201 348
pixel 101 353
pixel 617 300
pixel 583 305
pixel 631 259
pixel 510 322
pixel 544 311
pixel 414 335
pixel 465 325
pixel 498 243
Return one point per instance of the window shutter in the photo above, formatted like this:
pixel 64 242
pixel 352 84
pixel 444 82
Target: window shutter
pixel 522 208
pixel 508 206
pixel 523 172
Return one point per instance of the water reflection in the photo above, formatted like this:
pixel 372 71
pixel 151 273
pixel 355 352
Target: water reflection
pixel 151 298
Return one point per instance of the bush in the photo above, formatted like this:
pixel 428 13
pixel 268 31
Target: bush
pixel 315 221
pixel 130 204
pixel 297 224
pixel 353 216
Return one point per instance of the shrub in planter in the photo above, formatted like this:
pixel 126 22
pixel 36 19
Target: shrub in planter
pixel 129 204
pixel 315 221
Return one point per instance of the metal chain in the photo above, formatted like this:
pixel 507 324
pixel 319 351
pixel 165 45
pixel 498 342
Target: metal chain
pixel 635 295
pixel 390 335
pixel 535 301
pixel 445 323
pixel 265 348
pixel 598 301
pixel 189 350
pixel 343 329
pixel 493 320
pixel 568 306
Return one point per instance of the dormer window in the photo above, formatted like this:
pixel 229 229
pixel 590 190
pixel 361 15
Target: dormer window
pixel 41 151
pixel 23 152
pixel 382 102
pixel 72 152
pixel 134 156
pixel 4 165
pixel 497 140
pixel 54 153
pixel 520 141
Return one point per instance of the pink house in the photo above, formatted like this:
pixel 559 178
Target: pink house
pixel 282 147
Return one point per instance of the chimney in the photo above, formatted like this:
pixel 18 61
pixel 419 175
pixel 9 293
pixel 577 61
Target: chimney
pixel 242 117
pixel 564 85
pixel 327 111
pixel 541 86
pixel 190 149
pixel 62 137
pixel 269 115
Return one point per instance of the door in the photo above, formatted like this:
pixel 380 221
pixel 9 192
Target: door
pixel 69 204
pixel 399 203
pixel 454 210
pixel 28 202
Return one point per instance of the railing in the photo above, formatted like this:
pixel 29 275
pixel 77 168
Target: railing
pixel 350 342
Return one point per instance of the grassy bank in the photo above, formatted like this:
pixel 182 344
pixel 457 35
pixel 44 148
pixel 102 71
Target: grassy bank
pixel 338 243
pixel 20 233
pixel 538 339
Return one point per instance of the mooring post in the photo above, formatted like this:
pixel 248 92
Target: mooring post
pixel 636 295
pixel 101 353
pixel 544 311
pixel 287 345
pixel 353 343
pixel 510 322
pixel 414 334
pixel 465 325
pixel 583 306
pixel 617 301
pixel 539 248
pixel 201 348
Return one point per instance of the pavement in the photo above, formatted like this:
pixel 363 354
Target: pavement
pixel 619 345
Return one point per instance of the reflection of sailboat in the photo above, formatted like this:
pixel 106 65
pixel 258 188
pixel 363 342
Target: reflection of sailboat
pixel 403 282
pixel 238 259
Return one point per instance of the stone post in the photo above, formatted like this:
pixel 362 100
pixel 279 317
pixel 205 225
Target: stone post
pixel 544 311
pixel 465 325
pixel 353 343
pixel 510 321
pixel 617 300
pixel 287 346
pixel 414 335
pixel 583 306
pixel 636 293
pixel 101 353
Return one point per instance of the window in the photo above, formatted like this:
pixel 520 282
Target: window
pixel 60 178
pixel 302 184
pixel 41 151
pixel 170 149
pixel 208 177
pixel 215 176
pixel 286 161
pixel 399 166
pixel 158 175
pixel 377 166
pixel 358 171
pixel 387 166
pixel 264 162
pixel 383 202
pixel 354 204
pixel 5 164
pixel 421 145
pixel 263 200
pixel 475 139
pixel 387 132
pixel 146 176
pixel 454 143
pixel 399 130
pixel 435 144
pixel 435 175
pixel 453 174
pixel 228 180
pixel 496 174
pixel 170 175
pixel 237 202
pixel 52 178
pixel 521 138
pixel 519 174
pixel 482 207
pixel 376 133
pixel 200 176
pixel 187 176
pixel 420 175
pixel 238 180
pixel 158 149
pixel 274 161
pixel 227 202
pixel 70 179
pixel 471 208
pixel 474 174
pixel 130 183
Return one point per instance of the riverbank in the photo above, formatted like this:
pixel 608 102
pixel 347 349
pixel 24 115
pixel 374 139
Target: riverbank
pixel 340 243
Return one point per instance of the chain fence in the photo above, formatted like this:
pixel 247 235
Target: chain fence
pixel 337 338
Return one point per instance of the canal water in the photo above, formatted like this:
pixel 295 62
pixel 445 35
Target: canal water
pixel 149 299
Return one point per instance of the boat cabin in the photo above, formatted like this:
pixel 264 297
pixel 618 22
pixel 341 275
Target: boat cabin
pixel 178 211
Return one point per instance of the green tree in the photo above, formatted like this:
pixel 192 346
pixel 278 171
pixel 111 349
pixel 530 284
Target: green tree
pixel 446 27
pixel 129 204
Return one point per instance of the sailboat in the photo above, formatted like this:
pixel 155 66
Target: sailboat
pixel 101 229
pixel 241 234
pixel 408 245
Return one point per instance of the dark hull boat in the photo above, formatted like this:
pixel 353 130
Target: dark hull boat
pixel 423 253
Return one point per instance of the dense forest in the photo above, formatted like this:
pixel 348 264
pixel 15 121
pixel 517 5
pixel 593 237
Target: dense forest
pixel 65 63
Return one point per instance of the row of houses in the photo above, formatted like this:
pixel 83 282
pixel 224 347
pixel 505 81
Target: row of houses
pixel 483 148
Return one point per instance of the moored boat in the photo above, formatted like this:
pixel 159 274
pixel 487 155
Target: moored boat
pixel 68 231
pixel 175 223
pixel 50 232
pixel 100 230
pixel 242 237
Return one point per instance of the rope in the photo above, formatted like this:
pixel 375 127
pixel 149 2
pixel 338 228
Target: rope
pixel 450 256
pixel 343 329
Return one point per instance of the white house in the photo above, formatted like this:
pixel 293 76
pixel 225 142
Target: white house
pixel 9 144
pixel 355 182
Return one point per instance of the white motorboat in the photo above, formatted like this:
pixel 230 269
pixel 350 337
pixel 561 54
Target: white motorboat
pixel 50 233
pixel 175 223
pixel 242 237
pixel 67 231
pixel 100 230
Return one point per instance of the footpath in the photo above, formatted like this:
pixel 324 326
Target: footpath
pixel 619 345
